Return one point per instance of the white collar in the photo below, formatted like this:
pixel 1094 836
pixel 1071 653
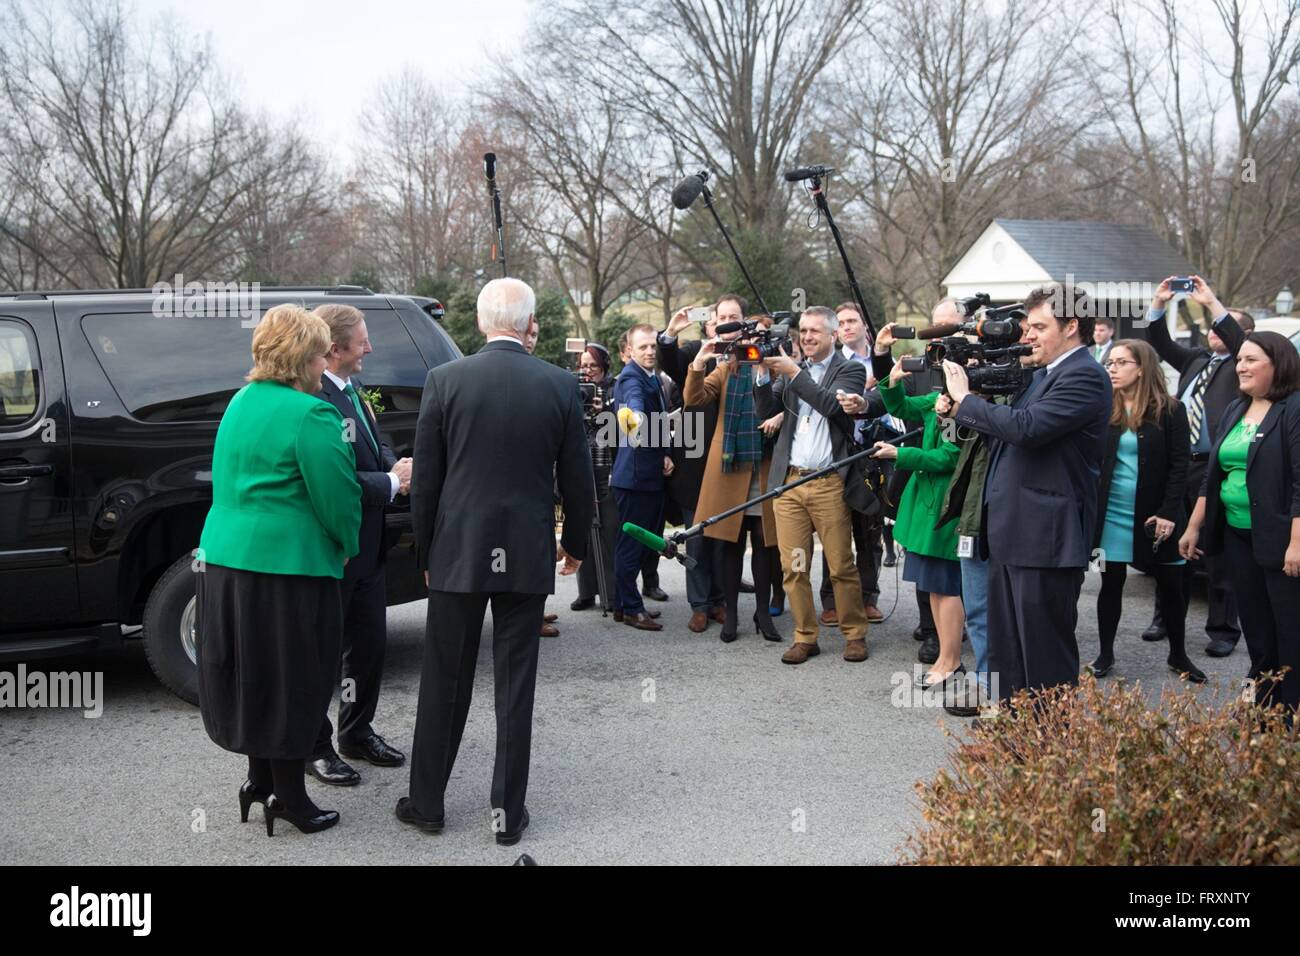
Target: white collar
pixel 849 354
pixel 340 383
pixel 1061 358
pixel 511 338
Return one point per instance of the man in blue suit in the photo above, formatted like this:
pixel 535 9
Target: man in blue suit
pixel 1040 497
pixel 640 467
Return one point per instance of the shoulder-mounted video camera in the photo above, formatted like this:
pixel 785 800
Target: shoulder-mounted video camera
pixel 992 360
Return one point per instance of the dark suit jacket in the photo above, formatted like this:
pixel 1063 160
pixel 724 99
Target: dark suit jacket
pixel 688 472
pixel 499 431
pixel 1045 465
pixel 639 468
pixel 1272 478
pixel 770 398
pixel 373 466
pixel 1223 388
pixel 1164 450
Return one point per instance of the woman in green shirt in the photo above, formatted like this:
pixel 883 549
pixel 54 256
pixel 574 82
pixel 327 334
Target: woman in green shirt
pixel 1249 509
pixel 931 563
pixel 286 511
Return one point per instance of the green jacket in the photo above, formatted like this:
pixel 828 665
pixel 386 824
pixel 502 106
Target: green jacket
pixel 932 465
pixel 285 497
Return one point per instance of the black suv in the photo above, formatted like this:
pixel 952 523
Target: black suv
pixel 109 405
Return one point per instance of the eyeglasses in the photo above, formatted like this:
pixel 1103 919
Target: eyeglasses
pixel 1116 363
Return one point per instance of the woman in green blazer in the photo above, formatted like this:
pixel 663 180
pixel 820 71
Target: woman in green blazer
pixel 286 510
pixel 932 563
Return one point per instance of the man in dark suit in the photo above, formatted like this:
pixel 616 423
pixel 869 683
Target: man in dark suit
pixel 641 465
pixel 815 432
pixel 365 607
pixel 499 433
pixel 1040 496
pixel 1207 385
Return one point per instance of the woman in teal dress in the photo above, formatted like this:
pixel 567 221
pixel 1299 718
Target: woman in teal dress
pixel 1143 477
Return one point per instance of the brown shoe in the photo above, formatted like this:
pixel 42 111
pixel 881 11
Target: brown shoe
pixel 642 622
pixel 873 614
pixel 830 618
pixel 618 617
pixel 550 630
pixel 699 622
pixel 550 618
pixel 719 614
pixel 799 652
pixel 855 651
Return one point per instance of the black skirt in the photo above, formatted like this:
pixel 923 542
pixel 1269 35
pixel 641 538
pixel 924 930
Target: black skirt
pixel 268 659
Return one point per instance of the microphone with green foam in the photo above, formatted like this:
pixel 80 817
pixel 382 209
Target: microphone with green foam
pixel 657 544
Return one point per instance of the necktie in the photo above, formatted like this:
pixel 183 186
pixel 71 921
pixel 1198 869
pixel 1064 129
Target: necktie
pixel 361 414
pixel 1196 401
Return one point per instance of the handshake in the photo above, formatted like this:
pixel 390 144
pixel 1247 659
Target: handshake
pixel 402 472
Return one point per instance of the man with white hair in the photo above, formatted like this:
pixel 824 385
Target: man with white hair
pixel 498 432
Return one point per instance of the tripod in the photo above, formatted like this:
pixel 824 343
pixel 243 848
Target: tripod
pixel 596 552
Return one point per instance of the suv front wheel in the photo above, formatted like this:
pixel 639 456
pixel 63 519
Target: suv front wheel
pixel 169 630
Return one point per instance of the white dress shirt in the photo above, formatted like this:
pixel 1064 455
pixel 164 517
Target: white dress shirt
pixel 811 445
pixel 341 384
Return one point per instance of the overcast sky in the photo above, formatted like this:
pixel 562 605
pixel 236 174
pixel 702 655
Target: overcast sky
pixel 345 47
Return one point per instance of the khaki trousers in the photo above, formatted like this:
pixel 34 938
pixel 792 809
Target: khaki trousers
pixel 818 506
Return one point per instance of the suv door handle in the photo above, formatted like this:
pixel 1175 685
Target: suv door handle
pixel 24 471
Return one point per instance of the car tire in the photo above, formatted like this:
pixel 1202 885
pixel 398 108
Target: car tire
pixel 168 612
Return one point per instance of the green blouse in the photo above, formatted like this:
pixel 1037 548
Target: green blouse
pixel 1232 459
pixel 285 497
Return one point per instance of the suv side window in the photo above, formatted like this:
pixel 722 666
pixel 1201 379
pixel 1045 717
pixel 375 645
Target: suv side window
pixel 20 394
pixel 395 365
pixel 171 368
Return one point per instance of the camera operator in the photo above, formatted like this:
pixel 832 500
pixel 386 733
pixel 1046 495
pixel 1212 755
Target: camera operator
pixel 1207 385
pixel 736 470
pixel 704 582
pixel 814 433
pixel 1040 495
pixel 964 501
pixel 593 367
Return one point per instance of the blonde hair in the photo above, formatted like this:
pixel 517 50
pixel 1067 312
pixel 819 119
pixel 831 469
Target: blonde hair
pixel 342 320
pixel 285 341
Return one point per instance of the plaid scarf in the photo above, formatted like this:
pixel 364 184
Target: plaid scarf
pixel 742 442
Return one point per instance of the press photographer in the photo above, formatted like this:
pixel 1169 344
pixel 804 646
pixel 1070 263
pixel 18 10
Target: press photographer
pixel 814 433
pixel 1040 496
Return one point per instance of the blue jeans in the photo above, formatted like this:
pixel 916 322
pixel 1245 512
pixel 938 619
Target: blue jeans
pixel 704 581
pixel 975 599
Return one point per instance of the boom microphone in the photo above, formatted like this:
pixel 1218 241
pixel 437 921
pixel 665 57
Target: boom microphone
pixel 939 330
pixel 807 172
pixel 726 328
pixel 657 544
pixel 490 165
pixel 688 190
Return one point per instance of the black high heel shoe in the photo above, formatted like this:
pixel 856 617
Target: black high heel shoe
pixel 272 808
pixel 769 633
pixel 249 795
pixel 728 636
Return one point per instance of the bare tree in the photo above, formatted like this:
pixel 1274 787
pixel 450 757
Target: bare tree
pixel 122 145
pixel 944 114
pixel 1223 197
pixel 576 150
pixel 728 82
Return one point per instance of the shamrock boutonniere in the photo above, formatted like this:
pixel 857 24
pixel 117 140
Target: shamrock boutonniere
pixel 373 399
